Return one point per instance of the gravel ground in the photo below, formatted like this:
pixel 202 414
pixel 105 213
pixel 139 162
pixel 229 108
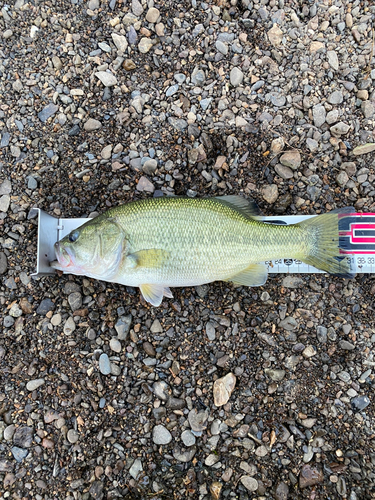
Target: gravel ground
pixel 223 392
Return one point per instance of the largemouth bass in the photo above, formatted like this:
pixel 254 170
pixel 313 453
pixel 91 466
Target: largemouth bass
pixel 159 243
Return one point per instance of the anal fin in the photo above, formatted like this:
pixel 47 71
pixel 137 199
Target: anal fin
pixel 254 275
pixel 154 293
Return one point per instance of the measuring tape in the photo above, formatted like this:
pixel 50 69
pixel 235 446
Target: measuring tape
pixel 357 237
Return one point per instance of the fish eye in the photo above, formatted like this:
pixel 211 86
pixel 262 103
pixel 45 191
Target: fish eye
pixel 73 236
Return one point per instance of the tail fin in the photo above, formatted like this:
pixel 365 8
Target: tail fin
pixel 323 251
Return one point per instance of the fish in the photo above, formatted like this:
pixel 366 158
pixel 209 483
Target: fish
pixel 165 242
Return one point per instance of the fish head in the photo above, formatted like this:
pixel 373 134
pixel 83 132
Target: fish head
pixel 94 249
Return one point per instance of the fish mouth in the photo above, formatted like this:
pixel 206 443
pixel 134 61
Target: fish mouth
pixel 64 258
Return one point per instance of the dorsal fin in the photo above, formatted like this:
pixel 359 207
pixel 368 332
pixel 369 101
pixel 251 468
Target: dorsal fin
pixel 248 208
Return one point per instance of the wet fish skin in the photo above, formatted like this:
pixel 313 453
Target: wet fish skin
pixel 159 243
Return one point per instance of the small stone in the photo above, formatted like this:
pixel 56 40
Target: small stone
pixel 236 76
pixel 149 167
pixel 161 390
pixel 115 345
pixel 291 159
pixel 309 351
pixel 250 483
pixel 211 460
pixel 161 435
pixel 122 326
pixel 145 45
pixel 270 193
pixel 172 90
pixel 75 301
pixel 188 438
pixel 346 346
pixel 261 451
pixel 149 349
pixel 5 139
pixel 342 178
pixel 277 99
pixel 156 327
pixel 198 77
pixel 312 145
pixel 275 35
pixel 3 263
pixel 284 172
pixel 223 388
pixel 32 385
pixel 129 65
pixel 57 63
pixel 210 331
pixel 184 456
pixel 107 78
pixel 47 112
pixel 360 402
pixel 9 432
pixel 120 42
pixel 319 115
pixel 321 333
pixel 45 306
pixel 368 109
pixel 91 124
pixel 136 468
pixel 96 490
pixel 73 436
pixel 104 364
pixel 277 145
pixel 31 182
pixel 316 46
pixel 333 60
pixel 340 128
pixel 309 476
pixel 241 122
pixel 23 437
pixel 282 492
pixel 4 203
pixel 198 420
pixel 69 326
pixel 137 8
pixel 332 116
pixel 275 375
pixel 5 187
pixel 106 152
pixel 336 97
pixel 19 454
pixel 222 47
pixel 145 185
pixel 215 490
pixel 152 15
pixel 364 149
pixel 159 29
pixel 7 34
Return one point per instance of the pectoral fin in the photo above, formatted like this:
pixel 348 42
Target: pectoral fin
pixel 154 293
pixel 254 275
pixel 150 258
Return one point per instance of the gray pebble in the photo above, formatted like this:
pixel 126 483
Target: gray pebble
pixel 9 432
pixel 204 104
pixel 360 402
pixel 336 97
pixel 136 468
pixel 198 77
pixel 340 128
pixel 5 139
pixel 277 99
pixel 319 115
pixel 8 321
pixel 283 171
pixel 4 203
pixel 172 90
pixel 73 436
pixel 45 306
pixel 188 438
pixel 161 390
pixel 32 385
pixel 3 263
pixel 347 346
pixel 31 182
pixel 368 109
pixel 19 454
pixel 47 112
pixel 75 301
pixel 104 364
pixel 312 144
pixel 149 167
pixel 221 47
pixel 333 60
pixel 180 77
pixel 236 76
pixel 161 435
pixel 257 85
pixel 122 327
pixel 210 331
pixel 115 345
pixel 321 333
pixel 23 437
pixel 91 125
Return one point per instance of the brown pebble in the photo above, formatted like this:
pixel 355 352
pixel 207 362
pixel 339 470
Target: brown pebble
pixel 129 65
pixel 149 349
pixel 48 443
pixel 25 305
